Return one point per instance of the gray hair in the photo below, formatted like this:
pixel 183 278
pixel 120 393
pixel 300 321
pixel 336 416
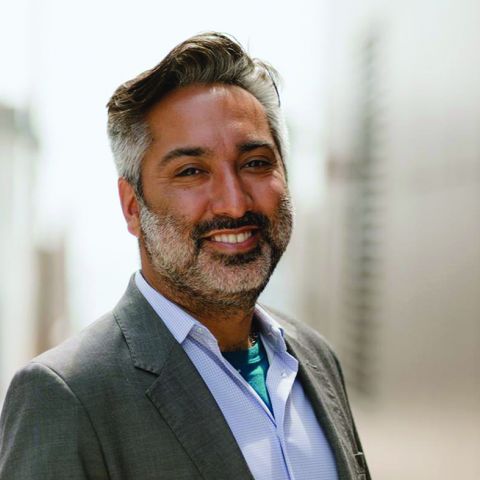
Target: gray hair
pixel 203 59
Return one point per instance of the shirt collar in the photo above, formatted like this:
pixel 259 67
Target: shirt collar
pixel 272 332
pixel 177 320
pixel 181 324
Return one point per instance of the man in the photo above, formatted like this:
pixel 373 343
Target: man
pixel 187 377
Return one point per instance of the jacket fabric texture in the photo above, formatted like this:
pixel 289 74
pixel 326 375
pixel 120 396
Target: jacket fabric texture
pixel 122 401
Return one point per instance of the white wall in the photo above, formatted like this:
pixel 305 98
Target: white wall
pixel 421 418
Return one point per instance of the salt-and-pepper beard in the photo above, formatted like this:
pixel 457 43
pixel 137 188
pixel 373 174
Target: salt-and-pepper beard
pixel 176 250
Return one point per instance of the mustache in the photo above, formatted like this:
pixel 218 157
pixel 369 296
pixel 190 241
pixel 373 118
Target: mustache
pixel 223 222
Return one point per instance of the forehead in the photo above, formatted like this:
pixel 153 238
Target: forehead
pixel 214 114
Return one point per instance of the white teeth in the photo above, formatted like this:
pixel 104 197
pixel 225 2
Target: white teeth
pixel 231 237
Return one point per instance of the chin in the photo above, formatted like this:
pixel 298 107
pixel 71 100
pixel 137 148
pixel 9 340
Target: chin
pixel 233 275
pixel 211 282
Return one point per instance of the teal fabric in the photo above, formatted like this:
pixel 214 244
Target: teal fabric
pixel 252 364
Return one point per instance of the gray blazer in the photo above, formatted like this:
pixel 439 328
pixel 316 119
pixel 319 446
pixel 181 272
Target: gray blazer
pixel 122 401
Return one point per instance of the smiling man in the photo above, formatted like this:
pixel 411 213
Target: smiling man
pixel 188 377
pixel 214 216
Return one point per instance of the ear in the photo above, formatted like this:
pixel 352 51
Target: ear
pixel 130 207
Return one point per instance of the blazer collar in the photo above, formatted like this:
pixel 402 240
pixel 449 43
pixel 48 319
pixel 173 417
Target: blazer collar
pixel 148 339
pixel 178 391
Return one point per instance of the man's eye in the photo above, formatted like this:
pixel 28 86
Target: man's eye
pixel 256 163
pixel 189 172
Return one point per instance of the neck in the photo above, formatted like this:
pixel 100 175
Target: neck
pixel 229 322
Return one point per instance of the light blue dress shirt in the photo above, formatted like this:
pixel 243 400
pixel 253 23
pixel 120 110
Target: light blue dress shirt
pixel 289 445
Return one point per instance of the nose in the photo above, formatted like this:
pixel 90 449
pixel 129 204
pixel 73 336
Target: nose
pixel 230 196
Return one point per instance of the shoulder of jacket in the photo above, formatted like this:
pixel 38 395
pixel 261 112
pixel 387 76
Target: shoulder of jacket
pixel 81 352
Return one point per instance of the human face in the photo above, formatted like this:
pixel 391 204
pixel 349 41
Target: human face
pixel 216 214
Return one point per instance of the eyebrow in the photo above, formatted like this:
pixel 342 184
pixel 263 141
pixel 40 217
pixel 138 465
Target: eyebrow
pixel 253 145
pixel 199 151
pixel 183 152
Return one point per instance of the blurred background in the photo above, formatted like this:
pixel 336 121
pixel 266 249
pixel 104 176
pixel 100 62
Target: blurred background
pixel 382 100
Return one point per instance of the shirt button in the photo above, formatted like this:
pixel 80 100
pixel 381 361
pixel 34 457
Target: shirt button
pixel 284 374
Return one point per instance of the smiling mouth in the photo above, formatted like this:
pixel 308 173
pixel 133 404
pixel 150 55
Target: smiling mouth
pixel 231 237
pixel 235 247
pixel 234 240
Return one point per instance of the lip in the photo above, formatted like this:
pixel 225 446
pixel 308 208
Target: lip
pixel 229 231
pixel 233 248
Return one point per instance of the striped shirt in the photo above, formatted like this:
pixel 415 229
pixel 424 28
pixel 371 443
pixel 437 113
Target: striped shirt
pixel 286 445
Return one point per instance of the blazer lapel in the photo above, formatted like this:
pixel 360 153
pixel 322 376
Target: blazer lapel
pixel 179 393
pixel 186 404
pixel 323 398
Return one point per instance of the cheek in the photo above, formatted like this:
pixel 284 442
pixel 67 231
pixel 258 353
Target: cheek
pixel 190 204
pixel 269 194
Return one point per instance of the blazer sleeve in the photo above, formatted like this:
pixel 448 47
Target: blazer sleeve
pixel 45 432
